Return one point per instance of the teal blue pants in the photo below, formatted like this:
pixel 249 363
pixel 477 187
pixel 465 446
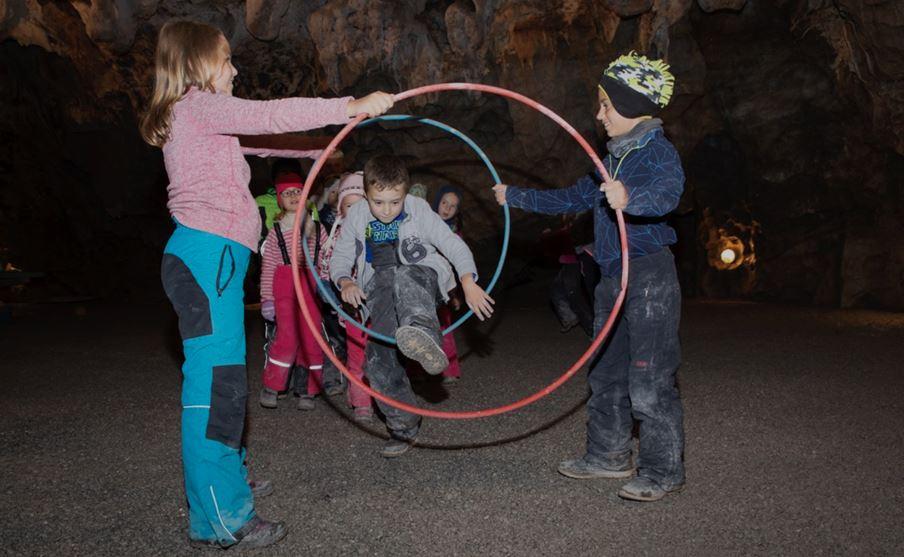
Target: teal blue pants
pixel 203 276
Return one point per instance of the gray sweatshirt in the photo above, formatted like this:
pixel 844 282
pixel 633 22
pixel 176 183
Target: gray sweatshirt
pixel 421 233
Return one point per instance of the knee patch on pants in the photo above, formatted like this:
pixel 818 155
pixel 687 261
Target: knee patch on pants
pixel 228 396
pixel 187 297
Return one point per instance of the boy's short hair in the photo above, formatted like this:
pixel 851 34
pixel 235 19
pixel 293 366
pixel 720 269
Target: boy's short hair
pixel 385 172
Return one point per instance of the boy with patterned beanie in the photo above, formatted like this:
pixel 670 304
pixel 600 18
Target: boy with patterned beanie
pixel 634 377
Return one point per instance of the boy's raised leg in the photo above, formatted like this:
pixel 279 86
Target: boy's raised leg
pixel 384 369
pixel 418 335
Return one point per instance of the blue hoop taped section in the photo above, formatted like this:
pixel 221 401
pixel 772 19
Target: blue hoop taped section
pixel 327 291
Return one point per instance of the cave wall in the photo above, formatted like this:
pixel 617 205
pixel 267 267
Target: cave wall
pixel 788 115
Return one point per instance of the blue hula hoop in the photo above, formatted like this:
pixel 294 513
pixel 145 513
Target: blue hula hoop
pixel 327 291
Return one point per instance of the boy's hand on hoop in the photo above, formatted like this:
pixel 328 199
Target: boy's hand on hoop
pixel 478 300
pixel 499 191
pixel 352 293
pixel 373 104
pixel 616 194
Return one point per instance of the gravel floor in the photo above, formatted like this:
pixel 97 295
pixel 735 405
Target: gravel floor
pixel 794 421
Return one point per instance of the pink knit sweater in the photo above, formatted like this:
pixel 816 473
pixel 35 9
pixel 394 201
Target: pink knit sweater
pixel 208 174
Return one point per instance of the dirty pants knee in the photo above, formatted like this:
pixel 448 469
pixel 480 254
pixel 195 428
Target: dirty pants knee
pixel 398 295
pixel 203 277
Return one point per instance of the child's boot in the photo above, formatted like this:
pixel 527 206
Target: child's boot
pixel 646 490
pixel 261 533
pixel 419 345
pixel 364 414
pixel 306 403
pixel 394 448
pixel 268 398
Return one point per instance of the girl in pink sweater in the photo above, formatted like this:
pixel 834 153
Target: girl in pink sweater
pixel 194 118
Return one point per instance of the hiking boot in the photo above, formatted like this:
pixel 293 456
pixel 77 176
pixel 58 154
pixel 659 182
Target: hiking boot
pixel 364 415
pixel 419 346
pixel 260 533
pixel 306 403
pixel 583 469
pixel 394 448
pixel 645 490
pixel 260 488
pixel 268 398
pixel 257 532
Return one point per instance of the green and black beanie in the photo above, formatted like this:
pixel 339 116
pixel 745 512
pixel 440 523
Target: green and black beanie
pixel 638 86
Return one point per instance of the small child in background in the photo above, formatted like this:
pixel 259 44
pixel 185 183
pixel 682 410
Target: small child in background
pixel 447 205
pixel 268 202
pixel 293 345
pixel 350 191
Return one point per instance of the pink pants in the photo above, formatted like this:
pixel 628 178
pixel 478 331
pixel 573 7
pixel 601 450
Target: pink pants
pixel 444 312
pixel 294 342
pixel 355 344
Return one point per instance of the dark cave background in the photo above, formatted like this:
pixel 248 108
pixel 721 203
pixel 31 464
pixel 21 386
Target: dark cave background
pixel 789 116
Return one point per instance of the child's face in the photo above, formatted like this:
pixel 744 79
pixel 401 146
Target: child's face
pixel 386 205
pixel 615 123
pixel 348 201
pixel 222 83
pixel 289 199
pixel 448 206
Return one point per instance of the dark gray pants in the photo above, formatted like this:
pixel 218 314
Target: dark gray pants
pixel 634 377
pixel 398 295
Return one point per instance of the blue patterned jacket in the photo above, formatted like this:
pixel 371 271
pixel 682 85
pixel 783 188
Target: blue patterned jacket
pixel 654 178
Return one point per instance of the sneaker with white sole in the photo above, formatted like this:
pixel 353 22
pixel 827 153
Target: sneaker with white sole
pixel 646 490
pixel 583 469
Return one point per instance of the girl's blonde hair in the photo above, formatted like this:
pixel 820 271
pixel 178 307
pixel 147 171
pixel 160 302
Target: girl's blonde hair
pixel 188 54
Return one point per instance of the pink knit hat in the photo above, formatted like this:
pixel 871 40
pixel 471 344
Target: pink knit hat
pixel 288 180
pixel 351 184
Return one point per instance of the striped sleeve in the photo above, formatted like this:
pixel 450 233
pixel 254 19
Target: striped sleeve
pixel 270 258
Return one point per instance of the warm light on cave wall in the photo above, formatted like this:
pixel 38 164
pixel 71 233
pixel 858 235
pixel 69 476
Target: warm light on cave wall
pixel 729 253
pixel 731 245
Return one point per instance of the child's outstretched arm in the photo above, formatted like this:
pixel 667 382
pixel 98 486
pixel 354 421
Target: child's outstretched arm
pixel 476 297
pixel 228 115
pixel 574 199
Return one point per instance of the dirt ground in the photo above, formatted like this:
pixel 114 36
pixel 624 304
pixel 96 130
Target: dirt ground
pixel 794 421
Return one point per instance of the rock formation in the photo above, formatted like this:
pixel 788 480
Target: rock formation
pixel 789 115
